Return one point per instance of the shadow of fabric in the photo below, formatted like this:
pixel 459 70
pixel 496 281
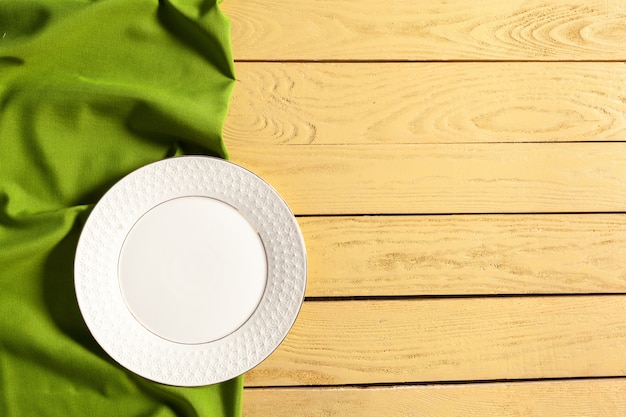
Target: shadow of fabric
pixel 59 291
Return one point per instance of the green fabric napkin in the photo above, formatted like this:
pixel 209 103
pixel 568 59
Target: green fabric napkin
pixel 90 91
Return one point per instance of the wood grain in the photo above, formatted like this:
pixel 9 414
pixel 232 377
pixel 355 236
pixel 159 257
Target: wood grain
pixel 363 342
pixel 426 30
pixel 439 255
pixel 488 110
pixel 556 399
pixel 464 178
pixel 295 103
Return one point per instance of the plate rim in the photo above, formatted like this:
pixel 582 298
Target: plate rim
pixel 123 337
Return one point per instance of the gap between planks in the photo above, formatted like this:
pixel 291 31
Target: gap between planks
pixel 427 61
pixel 426 384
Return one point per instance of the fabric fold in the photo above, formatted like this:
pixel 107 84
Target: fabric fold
pixel 90 91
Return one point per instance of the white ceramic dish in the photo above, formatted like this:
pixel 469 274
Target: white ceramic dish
pixel 190 271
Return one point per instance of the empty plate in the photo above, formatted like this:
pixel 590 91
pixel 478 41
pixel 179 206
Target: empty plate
pixel 190 271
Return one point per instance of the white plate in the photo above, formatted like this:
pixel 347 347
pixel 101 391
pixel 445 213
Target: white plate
pixel 190 271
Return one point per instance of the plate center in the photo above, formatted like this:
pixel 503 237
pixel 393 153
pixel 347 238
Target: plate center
pixel 192 270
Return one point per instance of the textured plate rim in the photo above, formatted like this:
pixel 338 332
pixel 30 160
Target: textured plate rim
pixel 101 302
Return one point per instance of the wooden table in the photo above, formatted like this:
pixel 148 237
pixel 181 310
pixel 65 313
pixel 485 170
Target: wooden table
pixel 459 173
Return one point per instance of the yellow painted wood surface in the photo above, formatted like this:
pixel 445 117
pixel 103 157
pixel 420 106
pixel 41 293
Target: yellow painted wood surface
pixel 554 399
pixel 459 178
pixel 381 122
pixel 348 103
pixel 446 255
pixel 427 30
pixel 449 339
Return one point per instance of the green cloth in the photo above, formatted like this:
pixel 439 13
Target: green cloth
pixel 90 91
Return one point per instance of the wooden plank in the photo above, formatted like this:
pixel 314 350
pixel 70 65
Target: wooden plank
pixel 295 103
pixel 390 341
pixel 555 399
pixel 426 30
pixel 464 178
pixel 439 255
